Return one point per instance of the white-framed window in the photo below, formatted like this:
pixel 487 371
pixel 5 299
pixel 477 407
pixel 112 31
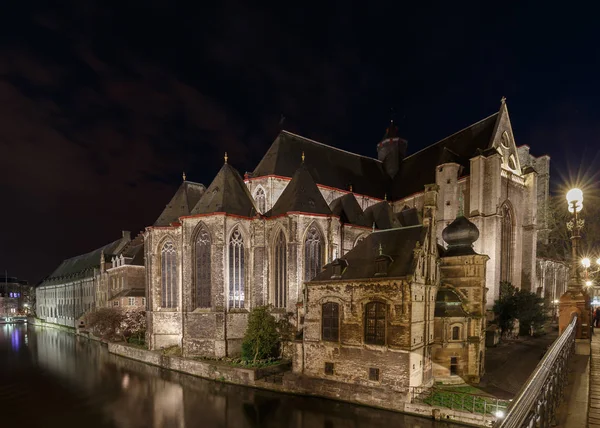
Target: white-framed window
pixel 131 301
pixel 116 303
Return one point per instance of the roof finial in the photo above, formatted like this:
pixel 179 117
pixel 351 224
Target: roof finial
pixel 380 249
pixel 503 100
pixel 385 197
pixel 183 175
pixel 373 226
pixel 303 156
pixel 350 187
pixel 226 157
pixel 461 201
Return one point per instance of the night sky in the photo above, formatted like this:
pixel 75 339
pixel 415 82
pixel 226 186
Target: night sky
pixel 104 103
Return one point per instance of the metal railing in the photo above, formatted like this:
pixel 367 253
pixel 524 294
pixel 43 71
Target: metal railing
pixel 538 399
pixel 458 400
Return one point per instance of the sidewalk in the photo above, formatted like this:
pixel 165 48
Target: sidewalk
pixel 594 380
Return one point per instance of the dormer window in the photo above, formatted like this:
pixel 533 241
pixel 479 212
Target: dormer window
pixel 338 265
pixel 382 264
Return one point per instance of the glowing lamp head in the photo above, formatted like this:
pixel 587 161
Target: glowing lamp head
pixel 586 263
pixel 598 262
pixel 588 283
pixel 556 301
pixel 575 198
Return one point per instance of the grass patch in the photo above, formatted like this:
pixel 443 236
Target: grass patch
pixel 137 342
pixel 460 399
pixel 172 351
pixel 238 362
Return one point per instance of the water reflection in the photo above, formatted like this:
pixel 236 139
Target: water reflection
pixel 74 382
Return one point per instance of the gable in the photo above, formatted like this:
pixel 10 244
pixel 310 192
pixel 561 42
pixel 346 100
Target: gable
pixel 503 141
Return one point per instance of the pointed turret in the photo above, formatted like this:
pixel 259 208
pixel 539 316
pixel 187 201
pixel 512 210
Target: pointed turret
pixel 391 150
pixel 187 196
pixel 226 194
pixel 301 195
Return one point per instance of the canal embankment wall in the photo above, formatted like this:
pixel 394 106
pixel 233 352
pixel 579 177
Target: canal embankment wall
pixel 280 379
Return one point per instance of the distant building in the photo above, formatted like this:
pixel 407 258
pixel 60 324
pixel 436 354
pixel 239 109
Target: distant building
pixel 15 296
pixel 84 282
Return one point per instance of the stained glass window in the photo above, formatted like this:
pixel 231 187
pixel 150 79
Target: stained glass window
pixel 280 271
pixel 169 283
pixel 506 244
pixel 375 323
pixel 236 270
pixel 203 266
pixel 261 200
pixel 313 253
pixel 330 322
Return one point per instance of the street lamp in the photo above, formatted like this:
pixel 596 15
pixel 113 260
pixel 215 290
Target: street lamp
pixel 585 262
pixel 575 205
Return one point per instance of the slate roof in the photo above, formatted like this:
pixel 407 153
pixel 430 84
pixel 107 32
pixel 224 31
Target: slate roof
pixel 408 217
pixel 395 243
pixel 448 304
pixel 419 169
pixel 186 197
pixel 135 251
pixel 348 210
pixel 328 165
pixel 83 266
pixel 382 215
pixel 300 195
pixel 226 194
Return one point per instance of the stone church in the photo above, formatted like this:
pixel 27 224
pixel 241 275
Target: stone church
pixel 261 239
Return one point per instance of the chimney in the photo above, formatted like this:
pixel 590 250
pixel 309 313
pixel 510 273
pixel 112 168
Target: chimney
pixel 126 234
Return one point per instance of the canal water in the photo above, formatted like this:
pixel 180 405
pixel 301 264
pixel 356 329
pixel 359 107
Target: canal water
pixel 49 378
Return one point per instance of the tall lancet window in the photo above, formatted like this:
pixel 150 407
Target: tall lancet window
pixel 261 200
pixel 313 253
pixel 236 270
pixel 280 271
pixel 203 277
pixel 168 264
pixel 506 255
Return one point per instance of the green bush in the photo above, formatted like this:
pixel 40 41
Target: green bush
pixel 261 340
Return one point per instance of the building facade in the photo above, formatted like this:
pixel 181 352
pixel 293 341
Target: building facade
pixel 77 284
pixel 15 296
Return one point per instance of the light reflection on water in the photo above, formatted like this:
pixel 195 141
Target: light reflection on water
pixel 77 383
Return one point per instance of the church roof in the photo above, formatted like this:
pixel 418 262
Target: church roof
pixel 382 215
pixel 135 250
pixel 186 197
pixel 348 210
pixel 398 244
pixel 328 165
pixel 226 194
pixel 300 195
pixel 418 169
pixel 408 217
pixel 83 265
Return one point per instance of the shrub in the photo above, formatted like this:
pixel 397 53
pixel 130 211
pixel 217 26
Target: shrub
pixel 261 340
pixel 105 322
pixel 133 326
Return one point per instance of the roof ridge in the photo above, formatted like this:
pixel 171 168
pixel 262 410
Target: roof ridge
pixel 397 228
pixel 327 145
pixel 452 135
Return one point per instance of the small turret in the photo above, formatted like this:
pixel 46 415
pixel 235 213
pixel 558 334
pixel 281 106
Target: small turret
pixel 391 150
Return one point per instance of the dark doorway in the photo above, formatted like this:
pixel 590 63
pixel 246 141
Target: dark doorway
pixel 453 366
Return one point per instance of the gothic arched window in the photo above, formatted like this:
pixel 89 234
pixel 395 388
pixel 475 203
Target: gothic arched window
pixel 261 200
pixel 313 253
pixel 375 323
pixel 203 265
pixel 236 270
pixel 280 271
pixel 330 322
pixel 506 238
pixel 168 264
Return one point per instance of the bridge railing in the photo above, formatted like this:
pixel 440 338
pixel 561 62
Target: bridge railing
pixel 538 399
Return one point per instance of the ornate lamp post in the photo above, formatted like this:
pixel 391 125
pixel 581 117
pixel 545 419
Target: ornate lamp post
pixel 575 301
